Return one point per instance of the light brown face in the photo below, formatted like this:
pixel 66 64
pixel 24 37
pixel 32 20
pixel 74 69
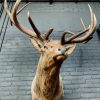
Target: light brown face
pixel 55 50
pixel 52 49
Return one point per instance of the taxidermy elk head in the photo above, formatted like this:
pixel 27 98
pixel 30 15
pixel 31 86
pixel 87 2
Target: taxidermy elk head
pixel 47 83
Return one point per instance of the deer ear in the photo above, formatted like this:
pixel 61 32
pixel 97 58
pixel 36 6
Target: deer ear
pixel 37 44
pixel 70 48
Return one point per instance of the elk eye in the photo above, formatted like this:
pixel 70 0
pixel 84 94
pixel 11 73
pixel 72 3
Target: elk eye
pixel 45 47
pixel 59 49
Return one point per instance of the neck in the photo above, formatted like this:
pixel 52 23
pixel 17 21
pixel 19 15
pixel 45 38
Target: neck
pixel 47 78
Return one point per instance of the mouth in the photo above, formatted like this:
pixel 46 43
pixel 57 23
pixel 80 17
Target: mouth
pixel 60 57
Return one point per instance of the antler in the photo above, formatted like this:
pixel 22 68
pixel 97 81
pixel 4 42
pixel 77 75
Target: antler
pixel 14 20
pixel 34 27
pixel 13 17
pixel 20 11
pixel 48 34
pixel 89 32
pixel 46 37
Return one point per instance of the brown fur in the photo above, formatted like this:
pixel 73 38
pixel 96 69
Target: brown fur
pixel 47 83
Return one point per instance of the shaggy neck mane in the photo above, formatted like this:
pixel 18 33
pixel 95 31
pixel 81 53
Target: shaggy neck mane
pixel 47 79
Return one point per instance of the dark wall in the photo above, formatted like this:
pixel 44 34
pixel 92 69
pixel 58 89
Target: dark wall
pixel 58 0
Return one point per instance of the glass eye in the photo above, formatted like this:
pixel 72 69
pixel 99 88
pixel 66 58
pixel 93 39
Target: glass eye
pixel 45 47
pixel 59 49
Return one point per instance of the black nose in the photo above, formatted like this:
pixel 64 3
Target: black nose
pixel 62 50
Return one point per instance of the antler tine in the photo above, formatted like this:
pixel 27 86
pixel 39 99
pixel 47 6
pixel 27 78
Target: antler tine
pixel 48 34
pixel 89 31
pixel 63 41
pixel 83 23
pixel 20 11
pixel 7 11
pixel 63 35
pixel 46 37
pixel 88 39
pixel 22 8
pixel 34 27
pixel 13 18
